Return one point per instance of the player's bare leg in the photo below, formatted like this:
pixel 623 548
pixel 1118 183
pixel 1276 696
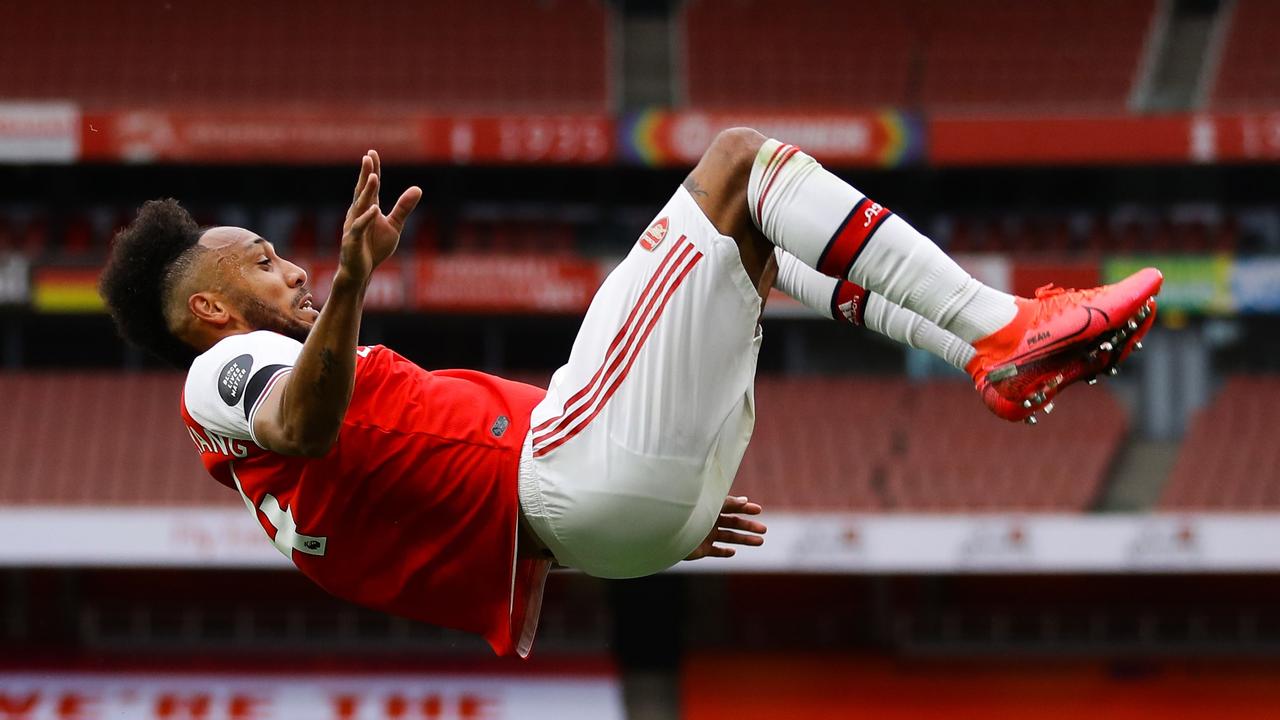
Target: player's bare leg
pixel 718 183
pixel 1027 350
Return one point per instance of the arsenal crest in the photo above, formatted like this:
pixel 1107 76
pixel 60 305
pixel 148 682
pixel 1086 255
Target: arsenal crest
pixel 654 236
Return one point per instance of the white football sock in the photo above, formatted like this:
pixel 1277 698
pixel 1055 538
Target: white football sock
pixel 813 289
pixel 844 301
pixel 830 226
pixel 898 323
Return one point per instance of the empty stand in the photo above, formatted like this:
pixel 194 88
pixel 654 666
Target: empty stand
pixel 818 442
pixel 997 56
pixel 510 55
pixel 99 439
pixel 1248 74
pixel 887 444
pixel 27 234
pixel 796 54
pixel 515 236
pixel 834 444
pixel 81 234
pixel 1155 230
pixel 983 56
pixel 958 457
pixel 1230 458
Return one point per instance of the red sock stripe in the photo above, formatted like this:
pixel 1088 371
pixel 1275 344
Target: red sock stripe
pixel 849 302
pixel 653 321
pixel 788 151
pixel 622 333
pixel 842 250
pixel 764 177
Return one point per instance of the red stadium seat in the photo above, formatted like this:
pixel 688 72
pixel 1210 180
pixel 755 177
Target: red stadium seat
pixel 77 237
pixel 808 54
pixel 1248 74
pixel 1229 459
pixel 1038 234
pixel 984 56
pixel 8 238
pixel 863 444
pixel 929 447
pixel 801 458
pixel 994 56
pixel 34 240
pixel 302 240
pixel 122 444
pixel 510 55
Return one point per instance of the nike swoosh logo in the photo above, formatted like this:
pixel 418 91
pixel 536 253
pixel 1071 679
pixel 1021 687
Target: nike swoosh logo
pixel 1067 339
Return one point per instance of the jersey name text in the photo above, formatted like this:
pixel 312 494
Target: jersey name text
pixel 213 443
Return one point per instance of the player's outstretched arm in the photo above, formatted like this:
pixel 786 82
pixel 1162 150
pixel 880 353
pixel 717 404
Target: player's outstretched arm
pixel 732 519
pixel 304 412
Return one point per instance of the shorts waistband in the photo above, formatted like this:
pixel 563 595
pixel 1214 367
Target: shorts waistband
pixel 529 490
pixel 530 493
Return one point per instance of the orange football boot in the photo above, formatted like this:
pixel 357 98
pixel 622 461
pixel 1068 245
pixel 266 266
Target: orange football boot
pixel 1059 338
pixel 1087 366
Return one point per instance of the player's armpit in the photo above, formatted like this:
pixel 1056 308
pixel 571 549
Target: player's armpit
pixel 273 430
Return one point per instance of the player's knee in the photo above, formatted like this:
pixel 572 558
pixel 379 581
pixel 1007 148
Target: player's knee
pixel 719 182
pixel 735 149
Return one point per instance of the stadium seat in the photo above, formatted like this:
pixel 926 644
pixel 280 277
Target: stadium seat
pixel 23 234
pixel 991 56
pixel 1248 75
pixel 1160 230
pixel 800 458
pixel 122 444
pixel 922 447
pixel 793 54
pixel 8 238
pixel 1229 459
pixel 77 238
pixel 509 55
pixel 894 445
pixel 987 56
pixel 302 239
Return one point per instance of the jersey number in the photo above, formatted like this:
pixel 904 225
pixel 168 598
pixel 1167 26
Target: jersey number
pixel 287 537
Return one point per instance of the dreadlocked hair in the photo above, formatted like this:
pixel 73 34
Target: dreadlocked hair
pixel 147 259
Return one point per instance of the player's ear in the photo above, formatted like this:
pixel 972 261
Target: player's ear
pixel 210 308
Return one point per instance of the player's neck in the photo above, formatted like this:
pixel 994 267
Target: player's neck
pixel 203 336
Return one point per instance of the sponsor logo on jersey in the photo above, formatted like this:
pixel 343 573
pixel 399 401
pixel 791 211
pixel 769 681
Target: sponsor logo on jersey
pixel 231 382
pixel 500 426
pixel 654 236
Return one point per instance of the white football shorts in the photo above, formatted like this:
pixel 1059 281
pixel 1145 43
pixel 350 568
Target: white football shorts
pixel 633 450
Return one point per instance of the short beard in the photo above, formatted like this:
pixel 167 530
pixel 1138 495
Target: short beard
pixel 260 316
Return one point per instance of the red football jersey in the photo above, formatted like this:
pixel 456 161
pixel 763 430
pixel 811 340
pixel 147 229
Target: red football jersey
pixel 413 511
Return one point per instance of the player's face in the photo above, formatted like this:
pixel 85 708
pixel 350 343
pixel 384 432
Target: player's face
pixel 269 292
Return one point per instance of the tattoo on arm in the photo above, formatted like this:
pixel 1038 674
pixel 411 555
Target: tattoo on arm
pixel 326 371
pixel 693 187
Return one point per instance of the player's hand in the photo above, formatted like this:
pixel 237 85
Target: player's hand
pixel 368 236
pixel 732 528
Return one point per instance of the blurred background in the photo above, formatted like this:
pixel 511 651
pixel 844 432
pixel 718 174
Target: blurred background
pixel 1122 559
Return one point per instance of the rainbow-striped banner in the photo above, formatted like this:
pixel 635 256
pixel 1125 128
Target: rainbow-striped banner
pixel 888 138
